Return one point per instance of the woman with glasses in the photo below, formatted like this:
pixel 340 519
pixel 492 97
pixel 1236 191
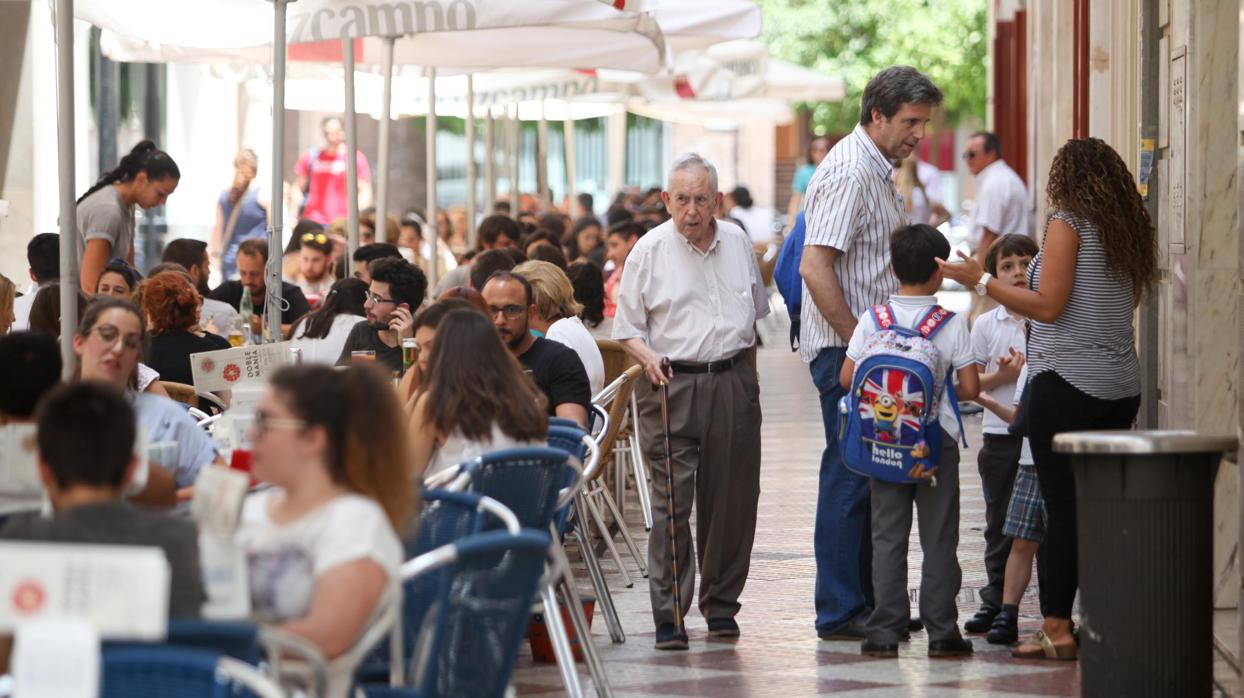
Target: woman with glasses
pixel 475 397
pixel 322 543
pixel 322 333
pixel 240 215
pixel 109 341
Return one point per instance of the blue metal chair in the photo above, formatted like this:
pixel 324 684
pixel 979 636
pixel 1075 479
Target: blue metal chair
pixel 469 640
pixel 250 643
pixel 529 481
pixel 177 672
pixel 446 517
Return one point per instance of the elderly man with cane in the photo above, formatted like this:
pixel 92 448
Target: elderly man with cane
pixel 686 312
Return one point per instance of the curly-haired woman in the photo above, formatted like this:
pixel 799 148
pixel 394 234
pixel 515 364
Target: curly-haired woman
pixel 1098 258
pixel 172 308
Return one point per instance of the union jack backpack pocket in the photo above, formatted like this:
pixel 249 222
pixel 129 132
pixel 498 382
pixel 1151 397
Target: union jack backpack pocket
pixel 888 423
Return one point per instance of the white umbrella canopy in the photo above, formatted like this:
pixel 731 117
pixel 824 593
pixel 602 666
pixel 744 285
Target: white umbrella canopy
pixel 464 33
pixel 693 24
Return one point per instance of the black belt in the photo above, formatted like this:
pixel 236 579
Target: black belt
pixel 709 367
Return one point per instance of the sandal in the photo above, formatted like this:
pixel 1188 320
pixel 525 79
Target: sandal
pixel 1045 649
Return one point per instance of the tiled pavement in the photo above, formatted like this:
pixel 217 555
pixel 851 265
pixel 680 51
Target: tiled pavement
pixel 778 653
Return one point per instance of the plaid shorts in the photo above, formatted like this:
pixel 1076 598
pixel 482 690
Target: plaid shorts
pixel 1025 517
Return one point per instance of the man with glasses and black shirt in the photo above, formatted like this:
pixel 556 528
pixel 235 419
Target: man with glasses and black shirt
pixel 252 258
pixel 397 290
pixel 554 367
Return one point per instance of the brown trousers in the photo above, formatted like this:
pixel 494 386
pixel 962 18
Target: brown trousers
pixel 715 439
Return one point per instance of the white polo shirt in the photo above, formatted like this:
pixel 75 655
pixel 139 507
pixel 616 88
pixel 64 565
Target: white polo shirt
pixel 1001 202
pixel 993 335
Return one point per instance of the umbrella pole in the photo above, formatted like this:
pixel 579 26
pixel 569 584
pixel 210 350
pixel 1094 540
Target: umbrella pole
pixel 568 133
pixel 470 163
pixel 542 159
pixel 382 159
pixel 516 128
pixel 272 274
pixel 490 169
pixel 68 205
pixel 352 174
pixel 430 129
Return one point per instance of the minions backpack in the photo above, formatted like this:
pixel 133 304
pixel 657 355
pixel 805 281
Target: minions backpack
pixel 887 424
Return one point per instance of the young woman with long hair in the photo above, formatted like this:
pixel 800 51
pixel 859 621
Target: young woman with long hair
pixel 323 543
pixel 145 177
pixel 475 398
pixel 1098 259
pixel 322 332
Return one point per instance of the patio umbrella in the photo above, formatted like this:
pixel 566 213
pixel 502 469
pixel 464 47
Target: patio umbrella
pixel 468 33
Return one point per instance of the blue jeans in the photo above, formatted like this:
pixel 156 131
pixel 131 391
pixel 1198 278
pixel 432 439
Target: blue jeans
pixel 842 537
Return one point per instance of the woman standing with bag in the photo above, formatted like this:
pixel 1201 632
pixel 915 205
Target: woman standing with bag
pixel 240 216
pixel 1098 258
pixel 146 177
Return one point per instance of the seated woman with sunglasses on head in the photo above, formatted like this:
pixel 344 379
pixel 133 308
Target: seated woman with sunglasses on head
pixel 109 341
pixel 322 544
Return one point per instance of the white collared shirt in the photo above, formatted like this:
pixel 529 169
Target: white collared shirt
pixel 993 335
pixel 21 309
pixel 687 304
pixel 1001 202
pixel 852 206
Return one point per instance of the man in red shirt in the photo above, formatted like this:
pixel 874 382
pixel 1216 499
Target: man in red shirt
pixel 324 170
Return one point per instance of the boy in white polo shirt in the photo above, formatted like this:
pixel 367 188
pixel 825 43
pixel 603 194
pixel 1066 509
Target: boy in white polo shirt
pixel 999 344
pixel 914 250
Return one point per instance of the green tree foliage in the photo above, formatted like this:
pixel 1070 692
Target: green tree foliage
pixel 946 39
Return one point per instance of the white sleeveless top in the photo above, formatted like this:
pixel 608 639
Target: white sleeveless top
pixel 458 448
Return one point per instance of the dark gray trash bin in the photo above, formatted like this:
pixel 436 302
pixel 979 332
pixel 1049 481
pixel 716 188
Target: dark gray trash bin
pixel 1145 502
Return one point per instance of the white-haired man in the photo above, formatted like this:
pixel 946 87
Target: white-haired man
pixel 692 293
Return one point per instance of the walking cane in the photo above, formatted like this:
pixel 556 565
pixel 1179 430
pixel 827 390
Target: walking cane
pixel 669 493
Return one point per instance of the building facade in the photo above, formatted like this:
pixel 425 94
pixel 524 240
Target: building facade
pixel 1160 81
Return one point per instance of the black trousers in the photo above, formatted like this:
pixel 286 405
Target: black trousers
pixel 997 462
pixel 1056 406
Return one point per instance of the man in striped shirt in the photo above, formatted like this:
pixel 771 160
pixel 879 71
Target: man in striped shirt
pixel 851 209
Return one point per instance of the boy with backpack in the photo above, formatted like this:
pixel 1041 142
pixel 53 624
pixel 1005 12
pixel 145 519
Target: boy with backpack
pixel 900 427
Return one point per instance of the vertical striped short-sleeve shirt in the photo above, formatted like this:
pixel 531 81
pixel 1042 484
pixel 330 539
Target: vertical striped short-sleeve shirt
pixel 852 206
pixel 1092 345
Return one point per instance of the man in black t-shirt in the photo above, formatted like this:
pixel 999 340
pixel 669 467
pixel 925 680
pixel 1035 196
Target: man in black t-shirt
pixel 252 258
pixel 554 367
pixel 396 292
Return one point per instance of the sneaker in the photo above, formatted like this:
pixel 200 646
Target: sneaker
pixel 954 647
pixel 883 650
pixel 851 630
pixel 722 627
pixel 982 621
pixel 670 637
